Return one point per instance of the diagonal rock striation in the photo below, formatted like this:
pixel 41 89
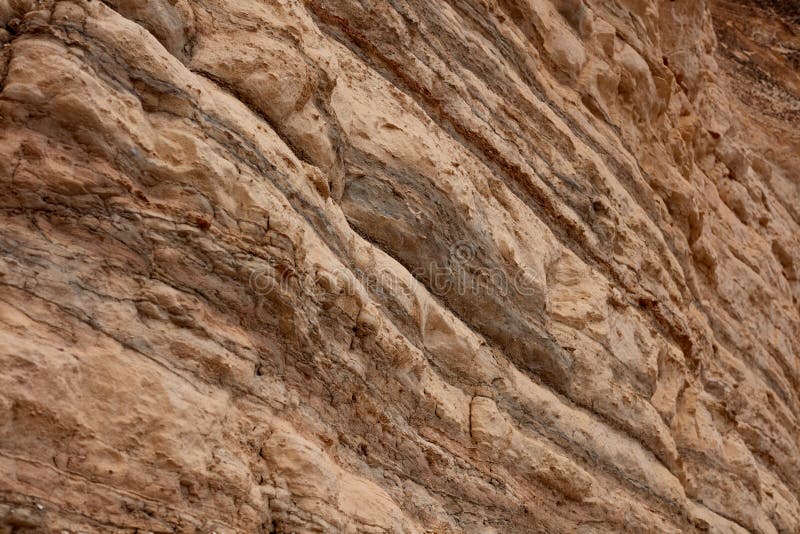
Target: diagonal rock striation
pixel 398 266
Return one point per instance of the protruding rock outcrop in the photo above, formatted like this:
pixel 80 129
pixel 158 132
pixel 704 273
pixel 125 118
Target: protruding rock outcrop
pixel 399 266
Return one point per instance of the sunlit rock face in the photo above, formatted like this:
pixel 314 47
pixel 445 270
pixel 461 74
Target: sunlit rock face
pixel 486 266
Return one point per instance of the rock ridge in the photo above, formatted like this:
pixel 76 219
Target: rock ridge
pixel 398 266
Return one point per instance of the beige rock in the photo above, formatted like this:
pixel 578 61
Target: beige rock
pixel 370 267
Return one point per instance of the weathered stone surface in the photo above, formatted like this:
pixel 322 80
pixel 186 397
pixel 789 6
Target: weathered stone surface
pixel 399 266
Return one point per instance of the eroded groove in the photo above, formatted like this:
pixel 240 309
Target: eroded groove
pixel 216 220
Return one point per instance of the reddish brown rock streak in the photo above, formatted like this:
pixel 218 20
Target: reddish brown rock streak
pixel 399 266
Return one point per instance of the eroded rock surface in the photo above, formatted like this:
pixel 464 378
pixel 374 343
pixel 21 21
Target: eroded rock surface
pixel 399 266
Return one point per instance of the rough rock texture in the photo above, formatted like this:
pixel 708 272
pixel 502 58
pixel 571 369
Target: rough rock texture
pixel 399 266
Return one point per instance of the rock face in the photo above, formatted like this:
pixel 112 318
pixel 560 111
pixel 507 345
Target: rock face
pixel 399 266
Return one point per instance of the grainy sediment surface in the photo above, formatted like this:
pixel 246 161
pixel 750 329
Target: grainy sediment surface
pixel 485 266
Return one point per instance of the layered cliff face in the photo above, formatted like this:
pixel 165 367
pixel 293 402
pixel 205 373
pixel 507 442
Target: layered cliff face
pixel 399 266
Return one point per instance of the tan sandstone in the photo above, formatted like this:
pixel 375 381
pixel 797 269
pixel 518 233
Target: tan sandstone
pixel 486 266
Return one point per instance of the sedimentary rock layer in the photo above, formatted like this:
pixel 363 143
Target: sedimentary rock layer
pixel 399 266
